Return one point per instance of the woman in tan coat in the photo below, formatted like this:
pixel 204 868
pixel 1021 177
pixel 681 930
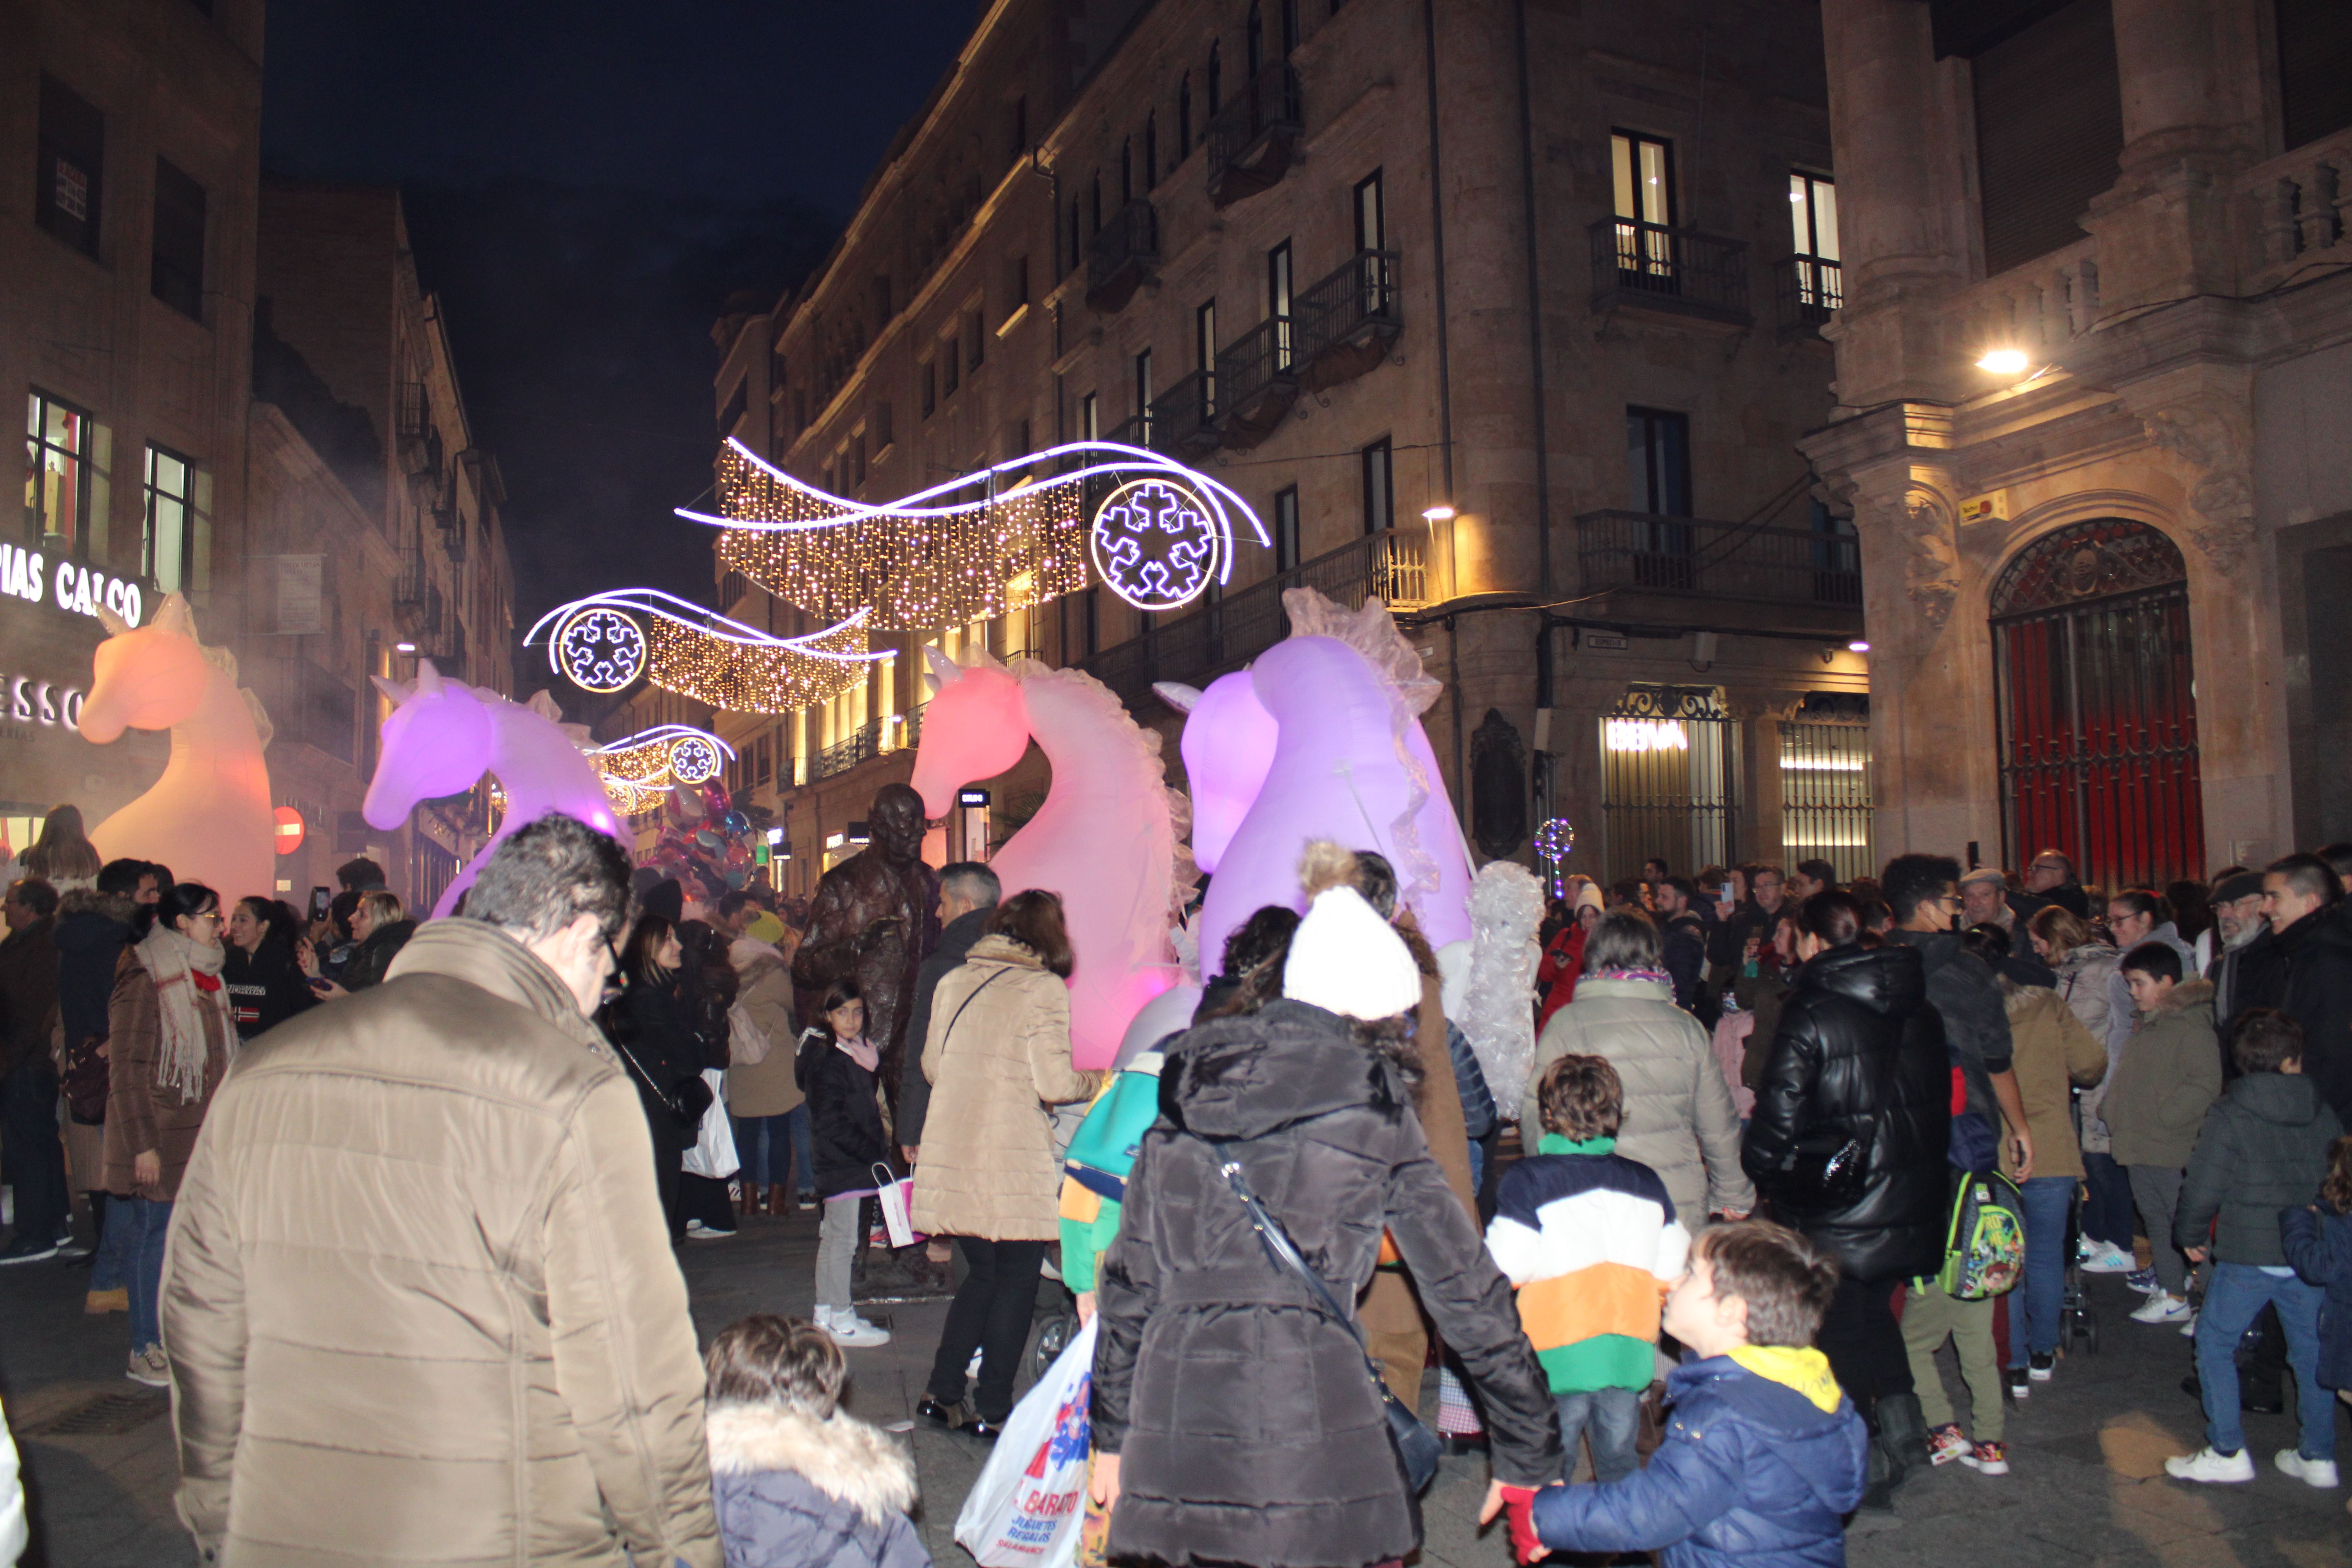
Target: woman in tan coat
pixel 997 1053
pixel 170 1038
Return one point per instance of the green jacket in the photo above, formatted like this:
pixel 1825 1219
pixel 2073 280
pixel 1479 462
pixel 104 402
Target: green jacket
pixel 2170 1073
pixel 2264 1148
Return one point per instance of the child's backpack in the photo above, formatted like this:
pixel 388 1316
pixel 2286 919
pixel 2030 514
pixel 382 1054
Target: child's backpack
pixel 1984 1251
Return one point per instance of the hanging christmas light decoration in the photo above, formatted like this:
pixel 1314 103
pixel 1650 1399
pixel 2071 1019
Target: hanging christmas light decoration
pixel 986 544
pixel 640 768
pixel 606 641
pixel 1553 842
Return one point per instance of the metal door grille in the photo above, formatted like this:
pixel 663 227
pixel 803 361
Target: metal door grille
pixel 1826 796
pixel 1669 763
pixel 2098 709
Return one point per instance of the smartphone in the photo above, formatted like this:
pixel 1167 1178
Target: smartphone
pixel 320 897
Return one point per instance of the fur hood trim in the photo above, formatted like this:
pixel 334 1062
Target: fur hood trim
pixel 842 1457
pixel 2185 994
pixel 90 901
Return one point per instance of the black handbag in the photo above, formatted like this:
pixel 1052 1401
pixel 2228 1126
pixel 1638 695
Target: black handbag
pixel 1825 1170
pixel 1416 1445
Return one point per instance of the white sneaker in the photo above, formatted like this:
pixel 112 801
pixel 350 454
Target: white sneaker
pixel 2205 1464
pixel 2320 1473
pixel 2188 1325
pixel 2109 1259
pixel 849 1331
pixel 2164 1307
pixel 148 1366
pixel 698 1231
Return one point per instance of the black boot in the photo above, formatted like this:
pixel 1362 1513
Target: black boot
pixel 1903 1428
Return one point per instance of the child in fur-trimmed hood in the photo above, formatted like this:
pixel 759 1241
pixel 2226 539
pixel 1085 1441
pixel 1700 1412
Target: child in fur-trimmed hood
pixel 797 1480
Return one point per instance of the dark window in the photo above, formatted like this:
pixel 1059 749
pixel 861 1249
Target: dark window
pixel 1090 417
pixel 1094 204
pixel 931 379
pixel 857 458
pixel 1184 116
pixel 1289 27
pixel 1020 126
pixel 59 441
pixel 1657 462
pixel 2049 128
pixel 1371 218
pixel 1126 172
pixel 166 548
pixel 67 178
pixel 975 334
pixel 881 426
pixel 1216 75
pixel 1020 279
pixel 1379 488
pixel 178 273
pixel 1143 398
pixel 1151 149
pixel 1077 245
pixel 1256 34
pixel 1285 528
pixel 951 366
pixel 2314 47
pixel 1204 351
pixel 1277 302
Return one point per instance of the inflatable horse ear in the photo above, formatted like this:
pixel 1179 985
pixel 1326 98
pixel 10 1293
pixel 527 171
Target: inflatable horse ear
pixel 114 624
pixel 1177 695
pixel 943 670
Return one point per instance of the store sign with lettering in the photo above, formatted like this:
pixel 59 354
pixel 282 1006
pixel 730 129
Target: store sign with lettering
pixel 24 574
pixel 51 704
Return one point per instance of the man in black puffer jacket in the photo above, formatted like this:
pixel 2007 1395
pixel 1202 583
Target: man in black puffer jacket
pixel 1860 1054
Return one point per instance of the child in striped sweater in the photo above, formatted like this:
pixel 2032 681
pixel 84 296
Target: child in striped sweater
pixel 1590 1241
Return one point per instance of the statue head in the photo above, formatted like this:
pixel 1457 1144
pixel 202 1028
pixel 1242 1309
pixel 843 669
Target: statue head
pixel 896 822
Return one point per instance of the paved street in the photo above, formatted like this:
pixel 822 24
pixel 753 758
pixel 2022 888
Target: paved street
pixel 2089 1449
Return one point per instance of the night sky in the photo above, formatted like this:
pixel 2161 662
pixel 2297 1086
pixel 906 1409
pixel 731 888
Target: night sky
pixel 586 184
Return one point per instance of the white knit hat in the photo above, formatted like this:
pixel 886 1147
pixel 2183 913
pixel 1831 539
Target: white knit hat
pixel 1346 959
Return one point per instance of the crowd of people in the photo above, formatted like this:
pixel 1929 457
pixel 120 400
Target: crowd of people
pixel 356 1170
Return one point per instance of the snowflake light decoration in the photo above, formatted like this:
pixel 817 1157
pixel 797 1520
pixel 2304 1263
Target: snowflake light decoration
pixel 693 759
pixel 639 770
pixel 1153 543
pixel 598 648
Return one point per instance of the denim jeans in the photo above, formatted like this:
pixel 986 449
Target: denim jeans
pixel 758 1142
pixel 2234 1299
pixel 149 1222
pixel 112 1268
pixel 2033 1305
pixel 2107 1211
pixel 1612 1418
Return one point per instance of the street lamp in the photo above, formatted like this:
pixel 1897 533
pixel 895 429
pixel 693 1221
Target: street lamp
pixel 1441 512
pixel 2004 362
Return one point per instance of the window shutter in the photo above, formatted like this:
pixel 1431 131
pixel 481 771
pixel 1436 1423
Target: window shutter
pixel 2315 45
pixel 2049 128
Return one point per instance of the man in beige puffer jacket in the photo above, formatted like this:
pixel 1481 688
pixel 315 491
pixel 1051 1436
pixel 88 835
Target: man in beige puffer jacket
pixel 419 1300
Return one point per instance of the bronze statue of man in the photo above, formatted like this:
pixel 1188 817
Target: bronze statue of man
pixel 875 919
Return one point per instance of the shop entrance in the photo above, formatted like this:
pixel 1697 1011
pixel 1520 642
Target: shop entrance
pixel 2098 706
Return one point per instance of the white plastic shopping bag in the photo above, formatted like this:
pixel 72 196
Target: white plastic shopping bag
pixel 1024 1510
pixel 897 1199
pixel 713 1153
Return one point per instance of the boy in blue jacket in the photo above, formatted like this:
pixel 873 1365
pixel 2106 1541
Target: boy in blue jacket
pixel 1763 1455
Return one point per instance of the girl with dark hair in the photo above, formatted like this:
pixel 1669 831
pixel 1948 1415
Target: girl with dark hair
pixel 169 1039
pixel 834 1067
pixel 261 969
pixel 649 1027
pixel 1253 964
pixel 997 1053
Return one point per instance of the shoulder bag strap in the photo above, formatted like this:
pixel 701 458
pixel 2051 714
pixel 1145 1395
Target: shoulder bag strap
pixel 1285 1252
pixel 967 1002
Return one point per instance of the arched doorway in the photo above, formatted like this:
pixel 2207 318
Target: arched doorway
pixel 2099 707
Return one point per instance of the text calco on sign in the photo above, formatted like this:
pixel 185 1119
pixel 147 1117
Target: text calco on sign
pixel 26 575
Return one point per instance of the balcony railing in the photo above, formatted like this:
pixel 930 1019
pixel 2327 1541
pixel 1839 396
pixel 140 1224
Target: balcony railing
pixel 1678 270
pixel 1688 555
pixel 1121 256
pixel 863 741
pixel 1346 319
pixel 1252 139
pixel 412 590
pixel 1227 633
pixel 1257 380
pixel 1182 422
pixel 1809 290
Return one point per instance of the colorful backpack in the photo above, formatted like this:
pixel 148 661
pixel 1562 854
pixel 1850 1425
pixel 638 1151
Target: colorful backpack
pixel 1984 1252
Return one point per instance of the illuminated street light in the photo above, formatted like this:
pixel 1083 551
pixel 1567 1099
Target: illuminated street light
pixel 1441 512
pixel 1857 646
pixel 2004 362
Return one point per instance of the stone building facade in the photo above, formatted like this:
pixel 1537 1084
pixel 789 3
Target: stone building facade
pixel 1506 315
pixel 183 434
pixel 2094 366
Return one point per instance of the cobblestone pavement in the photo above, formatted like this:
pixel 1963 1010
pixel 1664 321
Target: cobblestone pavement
pixel 2088 1450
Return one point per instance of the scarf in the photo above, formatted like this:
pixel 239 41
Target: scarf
pixel 1658 976
pixel 862 1051
pixel 187 984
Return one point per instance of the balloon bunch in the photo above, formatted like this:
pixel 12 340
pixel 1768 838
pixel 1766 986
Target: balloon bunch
pixel 704 842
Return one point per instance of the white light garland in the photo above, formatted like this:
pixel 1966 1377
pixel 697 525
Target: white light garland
pixel 682 646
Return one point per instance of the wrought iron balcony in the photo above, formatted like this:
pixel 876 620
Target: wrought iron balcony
pixel 1257 380
pixel 1686 555
pixel 1122 256
pixel 1809 291
pixel 1183 421
pixel 1227 633
pixel 1679 271
pixel 1252 140
pixel 842 755
pixel 1347 319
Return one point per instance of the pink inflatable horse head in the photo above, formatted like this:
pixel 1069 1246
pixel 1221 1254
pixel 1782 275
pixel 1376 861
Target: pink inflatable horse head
pixel 443 735
pixel 208 816
pixel 1105 838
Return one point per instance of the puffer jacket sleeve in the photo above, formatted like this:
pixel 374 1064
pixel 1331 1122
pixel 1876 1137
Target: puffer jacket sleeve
pixel 2211 1168
pixel 1688 1484
pixel 1045 1038
pixel 902 1547
pixel 2193 1092
pixel 2317 1249
pixel 203 1323
pixel 2085 1056
pixel 624 1349
pixel 1791 1066
pixel 1466 1295
pixel 1714 1117
pixel 1127 1287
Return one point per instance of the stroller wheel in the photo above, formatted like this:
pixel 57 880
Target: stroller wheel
pixel 1054 1336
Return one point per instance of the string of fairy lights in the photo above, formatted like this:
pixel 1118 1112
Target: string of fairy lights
pixel 638 770
pixel 997 541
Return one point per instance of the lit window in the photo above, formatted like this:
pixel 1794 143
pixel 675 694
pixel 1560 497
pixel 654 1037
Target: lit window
pixel 171 520
pixel 64 464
